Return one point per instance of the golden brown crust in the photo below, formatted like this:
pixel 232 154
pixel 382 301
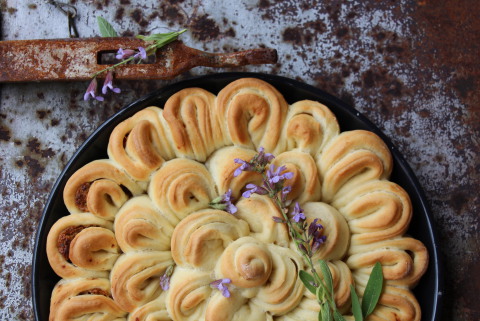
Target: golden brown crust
pixel 81 298
pixel 251 114
pixel 351 159
pixel 107 190
pixel 139 144
pixel 305 182
pixel 309 127
pixel 194 129
pixel 92 249
pixel 181 187
pixel 135 277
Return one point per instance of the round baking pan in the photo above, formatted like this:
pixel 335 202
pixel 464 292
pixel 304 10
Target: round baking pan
pixel 429 289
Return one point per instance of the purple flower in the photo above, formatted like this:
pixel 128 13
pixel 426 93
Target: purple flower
pixel 245 166
pixel 123 54
pixel 314 231
pixel 108 84
pixel 298 213
pixel 141 53
pixel 92 91
pixel 254 189
pixel 317 241
pixel 165 282
pixel 277 219
pixel 285 191
pixel 165 278
pixel 263 158
pixel 224 203
pixel 219 284
pixel 227 200
pixel 274 175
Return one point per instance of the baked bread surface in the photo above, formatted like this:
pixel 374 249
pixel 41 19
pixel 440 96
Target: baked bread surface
pixel 146 208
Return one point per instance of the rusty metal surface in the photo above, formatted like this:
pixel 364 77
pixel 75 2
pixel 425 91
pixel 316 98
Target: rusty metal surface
pixel 78 59
pixel 411 66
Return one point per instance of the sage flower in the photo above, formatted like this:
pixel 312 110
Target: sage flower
pixel 297 213
pixel 92 91
pixel 224 203
pixel 124 54
pixel 108 84
pixel 221 285
pixel 274 175
pixel 141 53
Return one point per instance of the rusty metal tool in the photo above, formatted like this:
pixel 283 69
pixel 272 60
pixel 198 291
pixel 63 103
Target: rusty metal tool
pixel 79 59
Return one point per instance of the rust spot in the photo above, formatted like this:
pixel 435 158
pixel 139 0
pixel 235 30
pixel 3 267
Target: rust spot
pixel 5 133
pixel 34 146
pixel 35 169
pixel 204 28
pixel 32 6
pixel 125 2
pixel 54 122
pixel 41 114
pixel 119 13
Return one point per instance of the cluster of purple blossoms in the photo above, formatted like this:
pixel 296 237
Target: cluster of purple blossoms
pixel 221 285
pixel 309 237
pixel 108 83
pixel 257 164
pixel 224 203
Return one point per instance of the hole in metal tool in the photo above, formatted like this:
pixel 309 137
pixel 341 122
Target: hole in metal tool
pixel 107 57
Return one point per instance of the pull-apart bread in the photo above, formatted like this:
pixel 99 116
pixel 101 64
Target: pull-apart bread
pixel 146 208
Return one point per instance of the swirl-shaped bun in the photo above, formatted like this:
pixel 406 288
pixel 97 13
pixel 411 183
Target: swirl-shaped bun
pixel 258 211
pixel 189 291
pixel 193 126
pixel 200 238
pixel 251 114
pixel 247 262
pixel 335 229
pixel 222 166
pixel 404 260
pixel 351 159
pixel 375 211
pixel 100 187
pixel 84 299
pixel 309 127
pixel 139 144
pixel 181 187
pixel 283 291
pixel 82 245
pixel 140 226
pixel 135 277
pixel 154 310
pixel 305 182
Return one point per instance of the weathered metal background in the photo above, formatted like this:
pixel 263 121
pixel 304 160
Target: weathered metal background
pixel 411 66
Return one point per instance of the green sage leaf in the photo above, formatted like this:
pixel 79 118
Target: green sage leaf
pixel 326 314
pixel 337 316
pixel 106 29
pixel 373 290
pixel 162 39
pixel 356 309
pixel 327 276
pixel 308 281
